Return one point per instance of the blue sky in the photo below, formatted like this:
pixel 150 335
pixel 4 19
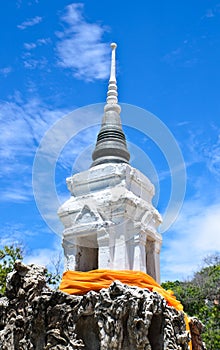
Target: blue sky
pixel 55 58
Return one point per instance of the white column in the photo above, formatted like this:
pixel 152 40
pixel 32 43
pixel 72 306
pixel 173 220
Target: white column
pixel 140 252
pixel 69 255
pixel 120 259
pixel 104 258
pixel 157 259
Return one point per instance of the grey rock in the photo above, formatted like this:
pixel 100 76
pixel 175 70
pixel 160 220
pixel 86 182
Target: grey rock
pixel 34 317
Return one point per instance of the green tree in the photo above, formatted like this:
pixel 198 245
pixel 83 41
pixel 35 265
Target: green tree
pixel 54 278
pixel 200 297
pixel 8 256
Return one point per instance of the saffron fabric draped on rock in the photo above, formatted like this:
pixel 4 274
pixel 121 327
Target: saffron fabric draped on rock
pixel 79 283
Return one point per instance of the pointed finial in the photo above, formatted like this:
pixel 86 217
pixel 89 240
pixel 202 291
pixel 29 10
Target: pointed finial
pixel 112 95
pixel 112 74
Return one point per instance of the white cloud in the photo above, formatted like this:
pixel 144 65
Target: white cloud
pixel 209 13
pixel 183 123
pixel 212 155
pixel 5 71
pixel 32 63
pixel 31 58
pixel 15 195
pixel 203 146
pixel 185 55
pixel 18 3
pixel 22 123
pixel 30 22
pixel 15 234
pixel 43 41
pixel 80 46
pixel 22 126
pixel 196 232
pixel 39 257
pixel 39 42
pixel 212 12
pixel 18 235
pixel 29 3
pixel 30 46
pixel 51 258
pixel 194 236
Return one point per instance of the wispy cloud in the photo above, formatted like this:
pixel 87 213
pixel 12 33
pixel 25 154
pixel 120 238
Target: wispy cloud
pixel 43 257
pixel 22 123
pixel 32 63
pixel 25 124
pixel 209 14
pixel 204 147
pixel 19 3
pixel 80 46
pixel 212 12
pixel 18 235
pixel 67 145
pixel 32 57
pixel 30 46
pixel 194 236
pixel 16 195
pixel 5 71
pixel 30 22
pixel 43 41
pixel 212 155
pixel 39 42
pixel 180 56
pixel 12 233
pixel 51 258
pixel 183 123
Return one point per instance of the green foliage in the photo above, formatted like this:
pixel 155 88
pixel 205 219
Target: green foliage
pixel 201 297
pixel 8 256
pixel 210 318
pixel 53 279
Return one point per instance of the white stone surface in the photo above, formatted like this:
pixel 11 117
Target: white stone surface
pixel 110 221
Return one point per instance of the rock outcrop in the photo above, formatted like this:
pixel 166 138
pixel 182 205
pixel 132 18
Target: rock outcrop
pixel 34 317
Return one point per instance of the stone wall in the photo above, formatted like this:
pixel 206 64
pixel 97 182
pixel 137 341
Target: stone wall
pixel 32 316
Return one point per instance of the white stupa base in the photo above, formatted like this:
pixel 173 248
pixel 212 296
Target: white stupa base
pixel 110 222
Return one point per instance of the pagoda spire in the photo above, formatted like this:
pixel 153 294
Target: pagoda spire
pixel 111 143
pixel 112 95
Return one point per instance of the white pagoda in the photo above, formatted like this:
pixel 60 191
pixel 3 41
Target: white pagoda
pixel 109 220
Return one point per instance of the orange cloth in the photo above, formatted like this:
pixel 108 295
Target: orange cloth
pixel 186 318
pixel 79 283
